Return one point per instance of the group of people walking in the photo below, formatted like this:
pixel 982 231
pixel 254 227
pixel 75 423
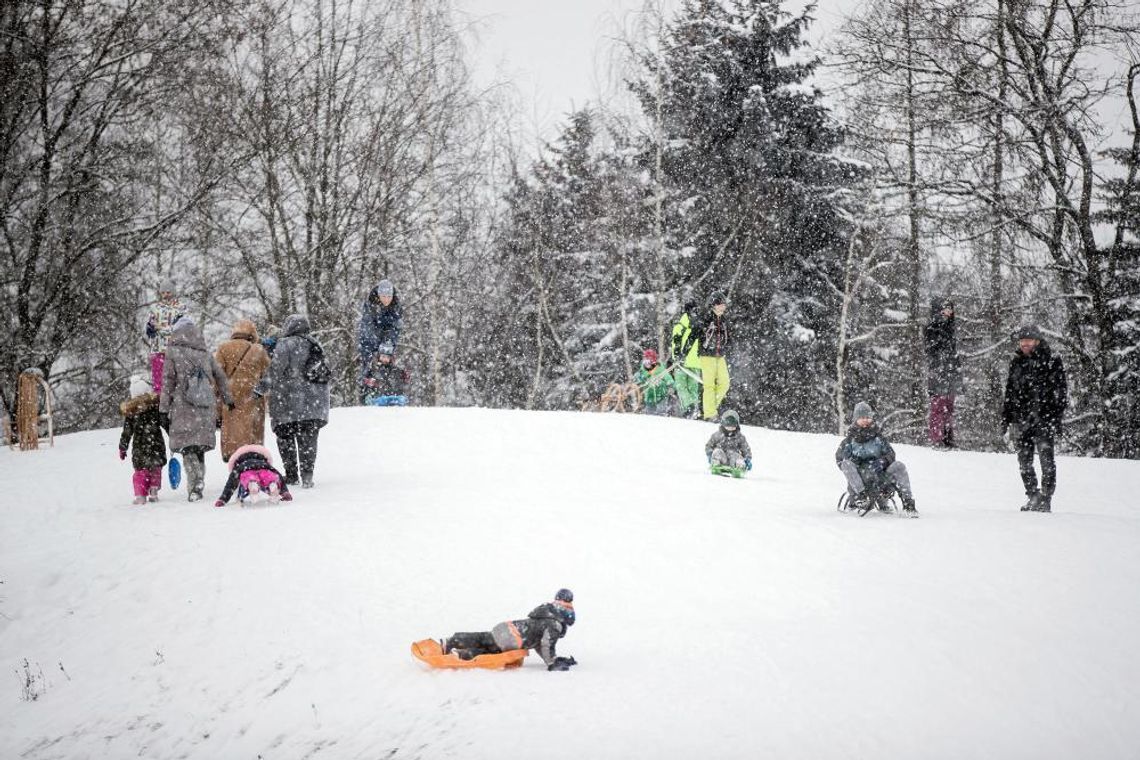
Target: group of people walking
pixel 191 393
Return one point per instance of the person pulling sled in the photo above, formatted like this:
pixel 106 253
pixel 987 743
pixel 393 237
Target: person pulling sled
pixel 540 631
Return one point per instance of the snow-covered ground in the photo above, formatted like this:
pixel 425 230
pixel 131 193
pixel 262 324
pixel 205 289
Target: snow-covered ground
pixel 716 618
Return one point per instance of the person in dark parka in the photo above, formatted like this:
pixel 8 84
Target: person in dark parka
pixel 540 631
pixel 381 318
pixel 867 460
pixel 298 407
pixel 944 373
pixel 1036 395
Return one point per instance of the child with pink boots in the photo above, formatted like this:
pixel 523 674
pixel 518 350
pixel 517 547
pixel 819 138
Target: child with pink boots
pixel 252 474
pixel 142 428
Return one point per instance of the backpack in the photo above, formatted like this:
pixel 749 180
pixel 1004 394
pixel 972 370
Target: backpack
pixel 198 391
pixel 316 369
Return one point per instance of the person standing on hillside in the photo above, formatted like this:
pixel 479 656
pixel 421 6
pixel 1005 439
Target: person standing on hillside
pixel 192 383
pixel 1036 395
pixel 142 434
pixel 687 362
pixel 244 361
pixel 711 329
pixel 297 384
pixel 944 374
pixel 165 312
pixel 381 318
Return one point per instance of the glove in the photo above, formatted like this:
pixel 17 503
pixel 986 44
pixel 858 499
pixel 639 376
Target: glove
pixel 748 464
pixel 122 453
pixel 876 465
pixel 562 663
pixel 219 503
pixel 1011 436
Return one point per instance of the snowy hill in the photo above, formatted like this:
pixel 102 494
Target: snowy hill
pixel 716 618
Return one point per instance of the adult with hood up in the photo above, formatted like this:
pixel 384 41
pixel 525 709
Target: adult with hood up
pixel 381 318
pixel 298 404
pixel 192 383
pixel 1036 395
pixel 944 373
pixel 244 360
pixel 711 329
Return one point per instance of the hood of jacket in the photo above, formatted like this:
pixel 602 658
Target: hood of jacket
pixel 295 324
pixel 137 404
pixel 187 334
pixel 245 328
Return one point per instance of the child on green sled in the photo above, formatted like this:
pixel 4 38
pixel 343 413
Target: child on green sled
pixel 728 447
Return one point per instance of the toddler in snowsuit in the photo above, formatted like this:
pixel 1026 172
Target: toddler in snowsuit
pixel 141 426
pixel 384 378
pixel 656 384
pixel 251 473
pixel 728 447
pixel 540 631
pixel 867 460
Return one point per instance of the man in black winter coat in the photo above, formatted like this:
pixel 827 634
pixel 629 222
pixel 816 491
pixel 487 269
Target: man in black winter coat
pixel 944 374
pixel 1036 395
pixel 540 631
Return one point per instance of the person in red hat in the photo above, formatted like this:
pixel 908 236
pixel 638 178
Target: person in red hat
pixel 656 384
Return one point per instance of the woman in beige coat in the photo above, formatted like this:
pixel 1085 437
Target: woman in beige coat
pixel 244 361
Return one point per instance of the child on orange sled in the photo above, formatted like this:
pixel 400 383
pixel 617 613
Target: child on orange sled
pixel 540 631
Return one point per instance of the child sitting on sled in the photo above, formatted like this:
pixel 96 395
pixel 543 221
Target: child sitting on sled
pixel 252 473
pixel 540 631
pixel 728 447
pixel 867 459
pixel 656 384
pixel 384 382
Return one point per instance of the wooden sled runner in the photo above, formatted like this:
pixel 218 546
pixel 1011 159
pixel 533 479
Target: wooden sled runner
pixel 428 651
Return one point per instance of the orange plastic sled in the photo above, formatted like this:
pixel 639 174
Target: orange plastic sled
pixel 428 651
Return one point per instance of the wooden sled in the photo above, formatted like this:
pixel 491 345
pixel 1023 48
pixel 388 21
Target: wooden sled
pixel 428 651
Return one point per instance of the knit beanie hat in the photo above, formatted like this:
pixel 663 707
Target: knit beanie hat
pixel 384 288
pixel 140 385
pixel 730 419
pixel 1028 331
pixel 862 409
pixel 166 285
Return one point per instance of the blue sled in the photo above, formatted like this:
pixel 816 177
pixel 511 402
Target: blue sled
pixel 388 401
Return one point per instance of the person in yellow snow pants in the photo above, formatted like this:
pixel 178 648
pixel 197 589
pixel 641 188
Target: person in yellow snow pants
pixel 714 376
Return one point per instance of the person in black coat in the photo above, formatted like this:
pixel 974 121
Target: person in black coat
pixel 944 373
pixel 540 631
pixel 381 319
pixel 1036 395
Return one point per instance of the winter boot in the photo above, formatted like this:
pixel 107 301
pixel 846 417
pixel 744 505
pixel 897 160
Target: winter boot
pixel 1031 503
pixel 152 494
pixel 274 493
pixel 908 507
pixel 861 502
pixel 1044 503
pixel 139 500
pixel 307 481
pixel 254 491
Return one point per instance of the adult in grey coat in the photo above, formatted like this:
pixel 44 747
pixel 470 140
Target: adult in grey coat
pixel 298 407
pixel 192 382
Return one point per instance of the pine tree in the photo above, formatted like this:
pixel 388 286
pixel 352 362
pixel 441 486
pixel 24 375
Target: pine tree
pixel 751 150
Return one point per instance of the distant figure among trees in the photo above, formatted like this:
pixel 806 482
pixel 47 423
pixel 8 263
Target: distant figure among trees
pixel 944 373
pixel 381 318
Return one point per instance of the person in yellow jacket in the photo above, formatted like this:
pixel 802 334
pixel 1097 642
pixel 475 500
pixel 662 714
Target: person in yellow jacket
pixel 712 331
pixel 686 362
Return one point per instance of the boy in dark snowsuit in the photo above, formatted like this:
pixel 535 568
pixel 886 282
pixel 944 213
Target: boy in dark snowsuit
pixel 252 472
pixel 141 424
pixel 1036 395
pixel 727 446
pixel 540 631
pixel 383 377
pixel 867 459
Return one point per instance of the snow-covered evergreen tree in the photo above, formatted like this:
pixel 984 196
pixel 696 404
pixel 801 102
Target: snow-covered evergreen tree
pixel 752 151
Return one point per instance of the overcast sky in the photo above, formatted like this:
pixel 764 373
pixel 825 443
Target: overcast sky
pixel 555 52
